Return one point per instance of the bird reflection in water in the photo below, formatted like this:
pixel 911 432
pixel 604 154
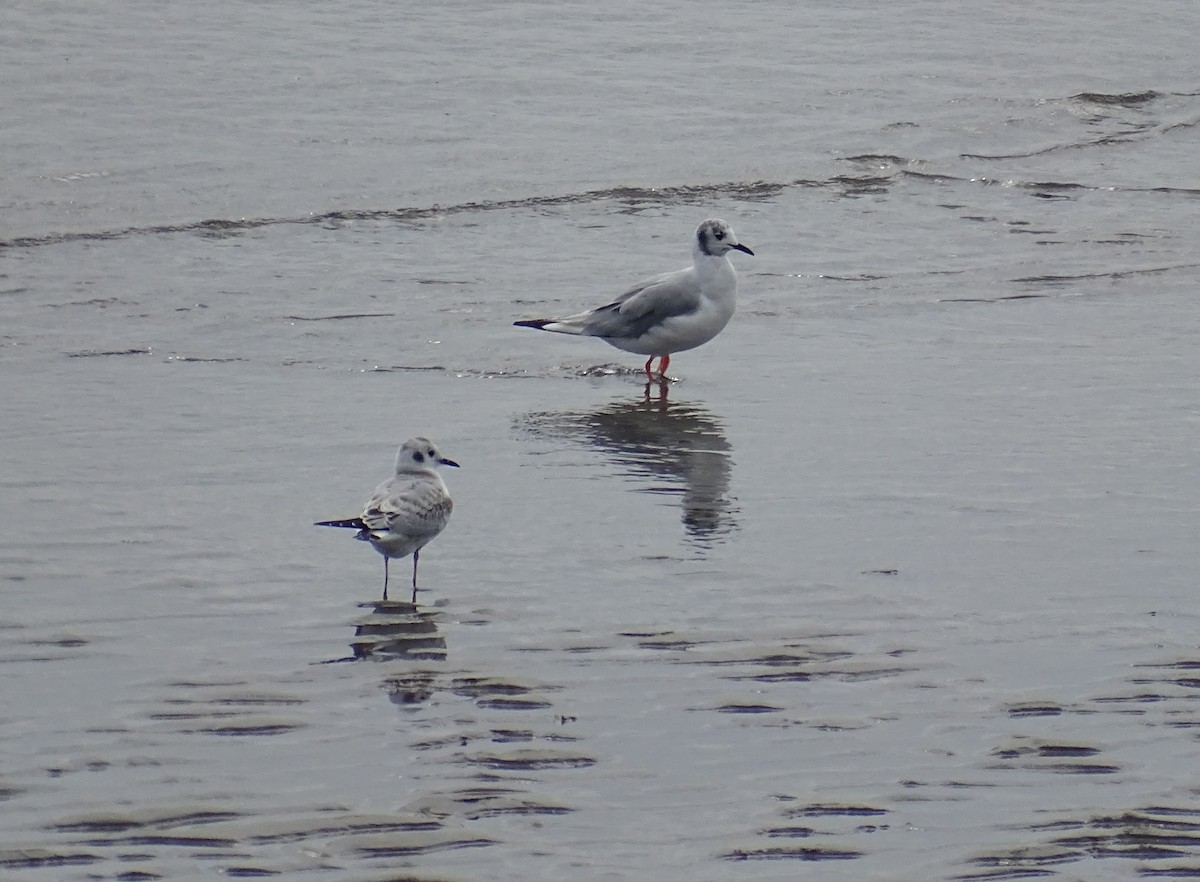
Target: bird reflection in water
pixel 680 447
pixel 398 629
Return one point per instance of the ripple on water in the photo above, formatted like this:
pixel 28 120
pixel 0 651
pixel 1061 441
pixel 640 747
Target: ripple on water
pixel 1161 840
pixel 1165 839
pixel 228 709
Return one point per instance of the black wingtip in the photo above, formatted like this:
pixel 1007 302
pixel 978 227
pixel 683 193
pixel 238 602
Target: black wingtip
pixel 348 523
pixel 540 324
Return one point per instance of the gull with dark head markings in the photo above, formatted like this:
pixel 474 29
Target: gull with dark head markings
pixel 667 313
pixel 406 511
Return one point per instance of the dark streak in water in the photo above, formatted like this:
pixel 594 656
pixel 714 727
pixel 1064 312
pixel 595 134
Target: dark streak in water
pixel 529 760
pixel 1123 99
pixel 335 318
pixel 824 810
pixel 94 353
pixel 1103 141
pixel 511 704
pixel 116 823
pixel 1116 274
pixel 405 368
pixel 748 709
pixel 27 859
pixel 196 359
pixel 233 873
pixel 784 853
pixel 790 832
pixel 1020 865
pixel 405 850
pixel 254 730
pixel 877 160
pixel 184 841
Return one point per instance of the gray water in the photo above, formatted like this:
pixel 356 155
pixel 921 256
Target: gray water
pixel 897 582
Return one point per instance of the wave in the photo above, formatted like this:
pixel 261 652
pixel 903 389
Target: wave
pixel 875 174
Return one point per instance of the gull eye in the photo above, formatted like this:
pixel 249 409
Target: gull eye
pixel 417 457
pixel 431 454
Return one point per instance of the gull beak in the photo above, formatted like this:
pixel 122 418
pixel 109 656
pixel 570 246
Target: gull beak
pixel 449 462
pixel 743 249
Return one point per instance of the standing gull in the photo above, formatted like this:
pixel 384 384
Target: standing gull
pixel 407 510
pixel 667 313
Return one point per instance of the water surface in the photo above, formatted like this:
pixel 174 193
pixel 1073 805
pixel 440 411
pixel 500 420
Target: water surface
pixel 897 582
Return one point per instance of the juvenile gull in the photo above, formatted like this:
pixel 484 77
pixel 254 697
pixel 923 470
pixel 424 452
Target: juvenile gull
pixel 407 510
pixel 667 313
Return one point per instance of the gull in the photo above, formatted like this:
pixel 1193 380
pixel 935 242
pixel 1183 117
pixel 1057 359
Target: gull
pixel 670 312
pixel 407 510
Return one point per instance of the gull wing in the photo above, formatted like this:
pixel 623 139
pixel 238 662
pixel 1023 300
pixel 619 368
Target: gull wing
pixel 645 305
pixel 413 508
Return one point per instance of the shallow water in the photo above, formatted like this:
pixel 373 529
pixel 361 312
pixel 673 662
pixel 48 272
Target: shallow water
pixel 896 582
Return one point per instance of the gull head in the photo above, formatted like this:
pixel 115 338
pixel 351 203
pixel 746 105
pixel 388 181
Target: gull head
pixel 420 455
pixel 715 238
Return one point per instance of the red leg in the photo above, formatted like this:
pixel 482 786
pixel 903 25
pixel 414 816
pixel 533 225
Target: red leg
pixel 649 361
pixel 662 366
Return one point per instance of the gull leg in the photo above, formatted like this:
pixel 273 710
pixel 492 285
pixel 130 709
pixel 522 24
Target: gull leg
pixel 385 577
pixel 662 366
pixel 416 554
pixel 649 361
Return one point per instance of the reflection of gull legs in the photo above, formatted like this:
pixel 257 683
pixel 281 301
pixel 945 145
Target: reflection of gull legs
pixel 397 630
pixel 661 398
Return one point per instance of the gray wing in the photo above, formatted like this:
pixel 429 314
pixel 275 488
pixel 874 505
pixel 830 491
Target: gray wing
pixel 645 305
pixel 416 508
